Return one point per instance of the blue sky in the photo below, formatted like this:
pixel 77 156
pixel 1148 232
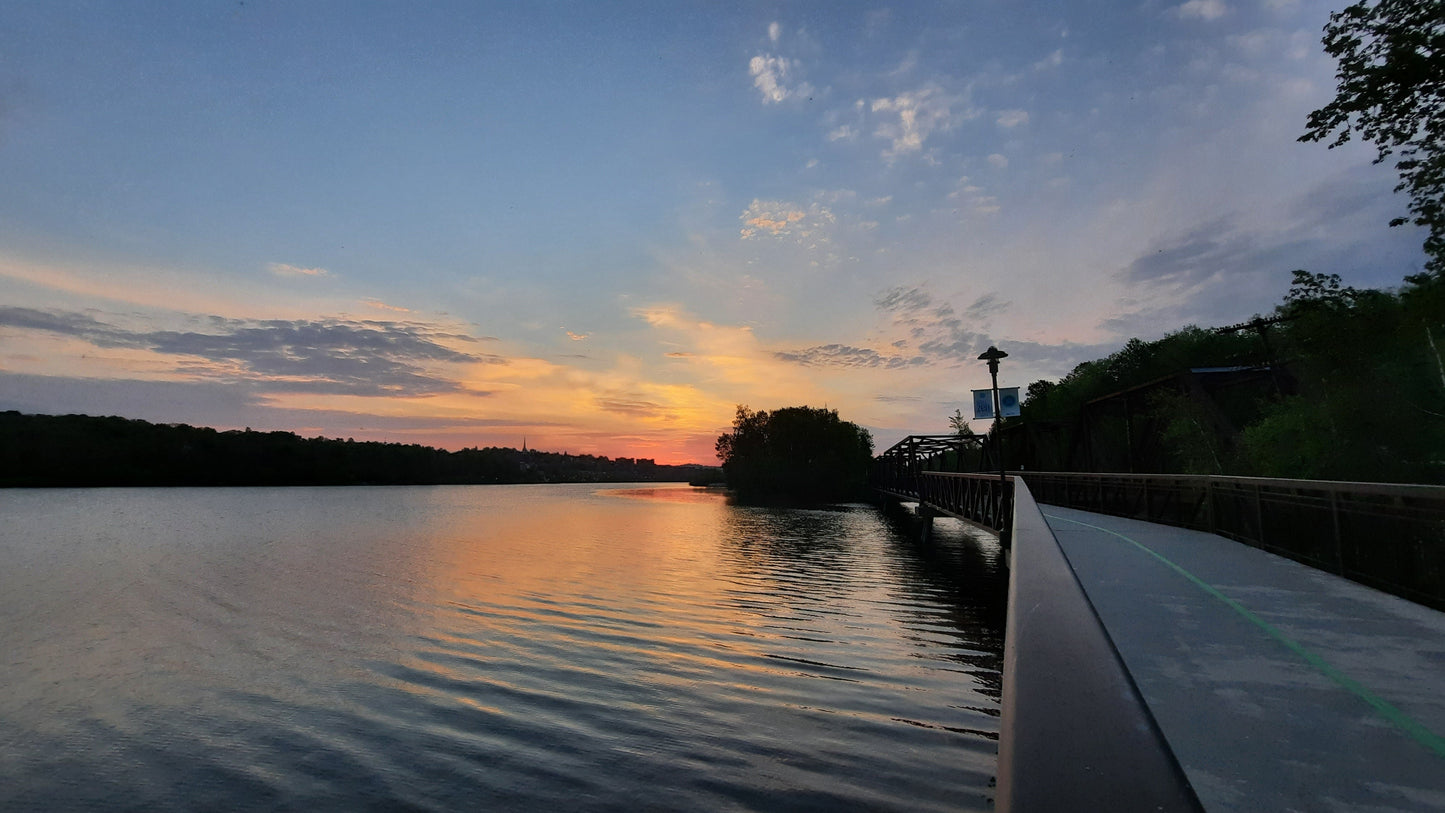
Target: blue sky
pixel 603 225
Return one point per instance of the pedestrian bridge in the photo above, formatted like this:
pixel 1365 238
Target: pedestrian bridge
pixel 1153 662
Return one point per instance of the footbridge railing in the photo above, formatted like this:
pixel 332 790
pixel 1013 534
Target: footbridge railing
pixel 904 472
pixel 1075 732
pixel 1388 536
pixel 982 499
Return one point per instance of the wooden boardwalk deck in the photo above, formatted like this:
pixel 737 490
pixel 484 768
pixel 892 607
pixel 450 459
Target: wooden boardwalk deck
pixel 1277 686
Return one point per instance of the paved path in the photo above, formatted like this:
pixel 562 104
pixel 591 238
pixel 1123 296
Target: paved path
pixel 1278 686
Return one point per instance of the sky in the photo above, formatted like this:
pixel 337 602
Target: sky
pixel 602 226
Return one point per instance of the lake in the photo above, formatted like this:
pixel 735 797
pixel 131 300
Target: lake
pixel 572 647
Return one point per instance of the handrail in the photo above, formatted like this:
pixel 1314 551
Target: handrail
pixel 1353 486
pixel 1076 734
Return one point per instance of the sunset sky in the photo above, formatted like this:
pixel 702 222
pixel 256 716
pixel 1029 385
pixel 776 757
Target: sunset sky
pixel 601 226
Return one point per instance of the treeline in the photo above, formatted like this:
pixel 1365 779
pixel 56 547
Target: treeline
pixel 1337 383
pixel 80 450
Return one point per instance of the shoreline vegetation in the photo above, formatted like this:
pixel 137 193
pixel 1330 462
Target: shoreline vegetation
pixel 1338 383
pixel 795 456
pixel 49 451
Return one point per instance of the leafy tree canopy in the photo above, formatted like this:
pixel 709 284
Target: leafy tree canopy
pixel 1356 392
pixel 1137 362
pixel 795 454
pixel 1392 92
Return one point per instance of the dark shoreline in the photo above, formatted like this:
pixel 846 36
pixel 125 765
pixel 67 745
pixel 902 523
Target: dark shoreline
pixel 81 451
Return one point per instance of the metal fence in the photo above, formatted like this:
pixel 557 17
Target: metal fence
pixel 980 498
pixel 1390 537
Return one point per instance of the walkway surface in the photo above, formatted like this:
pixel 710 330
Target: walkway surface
pixel 1279 687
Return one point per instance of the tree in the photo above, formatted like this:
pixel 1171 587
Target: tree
pixel 796 454
pixel 1038 392
pixel 1314 291
pixel 1392 92
pixel 959 424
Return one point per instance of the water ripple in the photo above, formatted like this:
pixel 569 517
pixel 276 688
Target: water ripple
pixel 489 648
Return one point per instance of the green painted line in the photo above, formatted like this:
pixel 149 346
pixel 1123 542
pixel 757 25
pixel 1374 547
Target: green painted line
pixel 1409 725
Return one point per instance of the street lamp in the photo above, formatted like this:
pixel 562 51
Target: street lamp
pixel 992 356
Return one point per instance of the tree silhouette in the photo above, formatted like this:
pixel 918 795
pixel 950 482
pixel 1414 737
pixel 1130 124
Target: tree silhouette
pixel 795 454
pixel 1392 92
pixel 80 450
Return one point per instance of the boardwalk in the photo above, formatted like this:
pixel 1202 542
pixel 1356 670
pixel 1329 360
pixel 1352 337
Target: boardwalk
pixel 1277 686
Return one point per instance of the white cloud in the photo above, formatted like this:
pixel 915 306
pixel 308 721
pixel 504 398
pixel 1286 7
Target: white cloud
pixel 999 161
pixel 1253 43
pixel 770 76
pixel 774 31
pixel 907 66
pixel 1053 60
pixel 974 197
pixel 843 132
pixel 1203 9
pixel 782 219
pixel 1012 118
pixel 285 270
pixel 920 113
pixel 768 73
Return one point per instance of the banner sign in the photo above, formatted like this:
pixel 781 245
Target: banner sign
pixel 1008 401
pixel 982 404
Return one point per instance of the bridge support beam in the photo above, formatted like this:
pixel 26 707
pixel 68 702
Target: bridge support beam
pixel 925 522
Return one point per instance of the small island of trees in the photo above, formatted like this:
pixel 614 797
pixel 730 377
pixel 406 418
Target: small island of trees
pixel 795 455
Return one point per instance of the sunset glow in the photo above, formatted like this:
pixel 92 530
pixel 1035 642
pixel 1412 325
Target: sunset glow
pixel 602 229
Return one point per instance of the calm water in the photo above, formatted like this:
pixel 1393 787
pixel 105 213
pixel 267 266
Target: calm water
pixel 489 647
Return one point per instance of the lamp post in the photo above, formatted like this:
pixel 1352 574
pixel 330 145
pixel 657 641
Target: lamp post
pixel 992 356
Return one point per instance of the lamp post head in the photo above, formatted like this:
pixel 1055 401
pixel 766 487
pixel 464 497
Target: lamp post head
pixel 992 355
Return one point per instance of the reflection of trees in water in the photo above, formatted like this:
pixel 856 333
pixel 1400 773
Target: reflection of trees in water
pixel 789 563
pixel 949 594
pixel 788 537
pixel 963 570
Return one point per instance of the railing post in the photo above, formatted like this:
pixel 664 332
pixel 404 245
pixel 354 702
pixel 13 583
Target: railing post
pixel 1209 503
pixel 1339 541
pixel 1259 515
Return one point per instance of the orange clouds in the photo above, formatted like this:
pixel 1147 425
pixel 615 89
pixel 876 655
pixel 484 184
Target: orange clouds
pixel 781 219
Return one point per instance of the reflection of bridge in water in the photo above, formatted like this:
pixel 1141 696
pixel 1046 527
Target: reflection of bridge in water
pixel 1154 662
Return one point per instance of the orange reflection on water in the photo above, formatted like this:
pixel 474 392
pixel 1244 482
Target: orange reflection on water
pixel 510 639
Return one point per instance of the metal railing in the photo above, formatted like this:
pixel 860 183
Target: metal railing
pixel 980 498
pixel 1390 537
pixel 1076 734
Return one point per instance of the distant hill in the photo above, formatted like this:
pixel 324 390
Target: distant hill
pixel 81 450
